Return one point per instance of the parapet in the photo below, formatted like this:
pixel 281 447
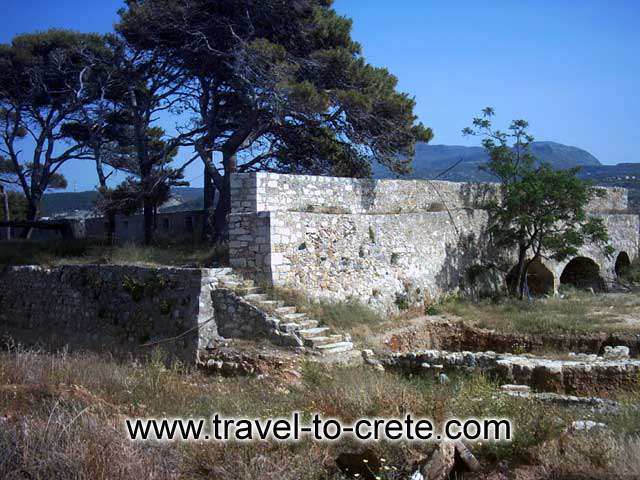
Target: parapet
pixel 262 192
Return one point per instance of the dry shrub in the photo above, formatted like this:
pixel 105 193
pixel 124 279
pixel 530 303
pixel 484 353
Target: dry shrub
pixel 70 440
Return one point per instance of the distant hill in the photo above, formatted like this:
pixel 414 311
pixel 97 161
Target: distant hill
pixel 432 160
pixel 81 204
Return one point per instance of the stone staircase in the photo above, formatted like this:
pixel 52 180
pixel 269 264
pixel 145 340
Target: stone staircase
pixel 315 338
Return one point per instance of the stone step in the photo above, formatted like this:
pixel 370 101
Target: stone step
pixel 313 332
pixel 285 310
pixel 309 323
pixel 256 297
pixel 289 327
pixel 217 272
pixel 295 317
pixel 318 341
pixel 270 303
pixel 242 290
pixel 337 347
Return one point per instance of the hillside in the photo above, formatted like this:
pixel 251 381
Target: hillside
pixel 432 160
pixel 80 204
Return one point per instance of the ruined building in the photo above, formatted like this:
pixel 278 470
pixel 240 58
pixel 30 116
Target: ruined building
pixel 390 244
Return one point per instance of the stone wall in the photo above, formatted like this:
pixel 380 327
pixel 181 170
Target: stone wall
pixel 181 225
pixel 261 192
pixel 109 308
pixel 386 243
pixel 127 311
pixel 380 260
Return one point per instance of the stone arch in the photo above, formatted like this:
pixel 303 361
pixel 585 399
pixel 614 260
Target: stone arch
pixel 583 273
pixel 539 278
pixel 623 263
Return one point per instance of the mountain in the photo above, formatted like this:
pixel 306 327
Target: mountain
pixel 441 161
pixel 432 161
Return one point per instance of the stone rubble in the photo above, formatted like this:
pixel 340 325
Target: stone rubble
pixel 543 374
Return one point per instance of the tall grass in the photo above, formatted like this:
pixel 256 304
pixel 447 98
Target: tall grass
pixel 573 312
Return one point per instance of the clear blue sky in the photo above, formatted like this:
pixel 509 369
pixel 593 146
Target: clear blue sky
pixel 570 67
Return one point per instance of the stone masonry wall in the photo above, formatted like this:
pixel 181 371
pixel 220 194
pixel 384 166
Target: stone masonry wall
pixel 261 192
pixel 109 308
pixel 386 261
pixel 386 243
pixel 126 310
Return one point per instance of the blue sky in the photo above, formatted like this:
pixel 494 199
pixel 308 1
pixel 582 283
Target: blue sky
pixel 570 67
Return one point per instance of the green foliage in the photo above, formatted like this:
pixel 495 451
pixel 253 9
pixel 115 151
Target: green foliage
pixel 17 206
pixel 432 310
pixel 372 234
pixel 541 211
pixel 402 301
pixel 134 288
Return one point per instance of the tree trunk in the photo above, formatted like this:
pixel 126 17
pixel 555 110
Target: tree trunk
pixel 209 196
pixel 148 221
pixel 521 272
pixel 111 228
pixel 6 211
pixel 221 214
pixel 32 216
pixel 148 206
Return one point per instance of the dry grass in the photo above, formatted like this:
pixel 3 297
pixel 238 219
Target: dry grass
pixel 53 253
pixel 66 412
pixel 601 456
pixel 573 312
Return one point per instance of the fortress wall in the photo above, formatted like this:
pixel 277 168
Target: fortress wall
pixel 258 192
pixel 107 308
pixel 623 236
pixel 384 261
pixel 382 241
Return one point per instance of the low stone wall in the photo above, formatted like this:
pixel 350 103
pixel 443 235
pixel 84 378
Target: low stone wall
pixel 563 376
pixel 107 308
pixel 237 318
pixel 260 192
pixel 128 311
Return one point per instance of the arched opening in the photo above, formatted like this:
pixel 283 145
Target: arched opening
pixel 539 279
pixel 583 273
pixel 623 264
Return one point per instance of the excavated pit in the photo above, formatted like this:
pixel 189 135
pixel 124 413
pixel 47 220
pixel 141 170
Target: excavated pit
pixel 456 336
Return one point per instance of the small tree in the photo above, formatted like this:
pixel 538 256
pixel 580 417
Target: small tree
pixel 541 212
